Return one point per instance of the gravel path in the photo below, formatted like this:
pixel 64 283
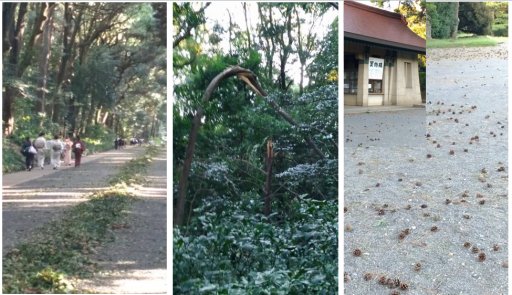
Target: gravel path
pixel 411 208
pixel 30 199
pixel 136 261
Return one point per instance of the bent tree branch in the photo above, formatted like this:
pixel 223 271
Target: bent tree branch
pixel 245 75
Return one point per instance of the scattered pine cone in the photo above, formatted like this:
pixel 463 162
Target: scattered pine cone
pixel 475 249
pixel 496 247
pixel 467 244
pixel 404 286
pixel 434 229
pixel 357 252
pixel 417 266
pixel 481 257
pixel 368 276
pixel 382 280
pixel 396 282
pixel 390 283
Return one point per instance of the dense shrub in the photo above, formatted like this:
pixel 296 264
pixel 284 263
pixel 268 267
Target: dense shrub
pixel 12 159
pixel 475 17
pixel 500 30
pixel 442 20
pixel 232 249
pixel 98 139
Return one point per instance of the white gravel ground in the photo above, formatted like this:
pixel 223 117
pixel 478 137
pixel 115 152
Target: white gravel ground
pixel 466 97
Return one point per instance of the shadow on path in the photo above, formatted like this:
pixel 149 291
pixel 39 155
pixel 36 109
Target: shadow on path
pixel 136 262
pixel 31 199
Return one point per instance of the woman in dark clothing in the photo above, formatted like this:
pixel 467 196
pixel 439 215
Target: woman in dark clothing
pixel 78 149
pixel 29 157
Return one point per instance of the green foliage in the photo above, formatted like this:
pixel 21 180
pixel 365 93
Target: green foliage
pixel 324 68
pixel 470 41
pixel 442 18
pixel 423 81
pixel 12 159
pixel 416 18
pixel 98 138
pixel 133 172
pixel 236 250
pixel 475 17
pixel 60 248
pixel 500 30
pixel 103 68
pixel 228 246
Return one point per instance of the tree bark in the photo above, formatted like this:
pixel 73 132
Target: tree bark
pixel 44 58
pixel 456 20
pixel 244 6
pixel 14 34
pixel 268 177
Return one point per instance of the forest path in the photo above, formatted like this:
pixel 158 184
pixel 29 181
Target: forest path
pixel 136 262
pixel 31 199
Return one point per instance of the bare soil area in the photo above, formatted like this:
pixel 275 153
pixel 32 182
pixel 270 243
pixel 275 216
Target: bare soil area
pixel 136 261
pixel 434 216
pixel 31 199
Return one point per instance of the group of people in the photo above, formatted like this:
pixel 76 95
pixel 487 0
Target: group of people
pixel 36 150
pixel 120 143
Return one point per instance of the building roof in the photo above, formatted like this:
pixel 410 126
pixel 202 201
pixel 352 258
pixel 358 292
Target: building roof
pixel 371 24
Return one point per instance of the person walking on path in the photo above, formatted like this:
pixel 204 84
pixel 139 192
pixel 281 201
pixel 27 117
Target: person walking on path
pixel 40 145
pixel 78 149
pixel 56 150
pixel 28 150
pixel 68 144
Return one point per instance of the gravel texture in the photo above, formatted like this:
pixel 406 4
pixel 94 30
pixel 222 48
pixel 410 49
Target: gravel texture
pixel 410 207
pixel 31 199
pixel 136 262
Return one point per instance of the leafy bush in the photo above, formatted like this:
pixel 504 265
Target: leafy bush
pixel 12 159
pixel 98 139
pixel 500 30
pixel 442 19
pixel 232 249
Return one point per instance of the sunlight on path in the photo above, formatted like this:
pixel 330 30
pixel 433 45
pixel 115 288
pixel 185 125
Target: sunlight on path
pixel 135 263
pixel 32 198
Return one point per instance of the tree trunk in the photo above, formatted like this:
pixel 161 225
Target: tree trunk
pixel 13 32
pixel 428 28
pixel 268 177
pixel 44 58
pixel 244 6
pixel 456 20
pixel 69 32
pixel 37 30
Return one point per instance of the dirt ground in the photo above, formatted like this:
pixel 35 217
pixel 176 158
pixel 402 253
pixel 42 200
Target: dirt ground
pixel 136 261
pixel 31 199
pixel 415 212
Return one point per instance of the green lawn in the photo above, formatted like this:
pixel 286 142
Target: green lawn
pixel 473 41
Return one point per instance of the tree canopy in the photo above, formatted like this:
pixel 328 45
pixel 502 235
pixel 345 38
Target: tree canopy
pixel 84 67
pixel 252 151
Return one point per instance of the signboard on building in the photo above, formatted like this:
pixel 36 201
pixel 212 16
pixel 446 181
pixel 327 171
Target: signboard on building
pixel 375 68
